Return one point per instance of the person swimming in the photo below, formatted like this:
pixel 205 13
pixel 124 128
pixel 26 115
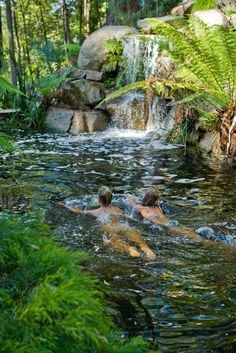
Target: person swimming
pixel 151 210
pixel 116 234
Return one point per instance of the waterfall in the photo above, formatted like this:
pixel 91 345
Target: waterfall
pixel 129 112
pixel 141 53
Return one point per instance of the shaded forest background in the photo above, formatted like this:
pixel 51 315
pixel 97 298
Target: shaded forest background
pixel 38 37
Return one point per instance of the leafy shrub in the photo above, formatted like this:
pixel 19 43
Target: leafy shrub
pixel 114 58
pixel 48 303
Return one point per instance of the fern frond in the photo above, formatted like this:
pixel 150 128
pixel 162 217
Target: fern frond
pixel 6 86
pixel 204 5
pixel 124 90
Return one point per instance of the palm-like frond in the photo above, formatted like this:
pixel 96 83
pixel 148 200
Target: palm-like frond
pixel 206 59
pixel 6 86
pixel 133 86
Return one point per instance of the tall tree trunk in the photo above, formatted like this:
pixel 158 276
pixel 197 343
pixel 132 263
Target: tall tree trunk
pixel 11 46
pixel 1 44
pixel 43 31
pixel 81 20
pixel 66 22
pixel 26 46
pixel 87 5
pixel 18 45
pixel 111 18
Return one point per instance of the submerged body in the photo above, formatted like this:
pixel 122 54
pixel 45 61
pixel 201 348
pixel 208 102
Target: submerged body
pixel 119 236
pixel 151 211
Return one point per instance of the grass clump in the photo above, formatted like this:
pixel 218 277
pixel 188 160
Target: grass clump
pixel 48 303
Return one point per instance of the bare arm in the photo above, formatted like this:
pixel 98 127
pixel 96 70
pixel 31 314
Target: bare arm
pixel 131 202
pixel 71 208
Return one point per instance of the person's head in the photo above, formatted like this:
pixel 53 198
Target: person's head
pixel 104 195
pixel 151 198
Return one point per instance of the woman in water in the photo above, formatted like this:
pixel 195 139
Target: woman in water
pixel 119 235
pixel 151 210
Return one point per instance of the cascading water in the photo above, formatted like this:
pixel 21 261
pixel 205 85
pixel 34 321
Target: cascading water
pixel 140 53
pixel 138 110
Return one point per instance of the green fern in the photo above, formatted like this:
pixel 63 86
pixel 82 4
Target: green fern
pixel 204 5
pixel 6 143
pixel 124 90
pixel 206 59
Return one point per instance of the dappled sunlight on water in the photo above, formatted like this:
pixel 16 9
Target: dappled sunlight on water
pixel 185 299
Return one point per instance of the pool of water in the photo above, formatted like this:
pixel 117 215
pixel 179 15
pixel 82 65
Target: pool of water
pixel 185 300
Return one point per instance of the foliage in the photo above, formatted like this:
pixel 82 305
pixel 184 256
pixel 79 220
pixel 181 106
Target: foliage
pixel 48 302
pixel 33 105
pixel 6 143
pixel 114 58
pixel 204 5
pixel 206 74
pixel 124 90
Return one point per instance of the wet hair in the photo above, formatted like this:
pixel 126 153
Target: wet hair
pixel 105 195
pixel 151 198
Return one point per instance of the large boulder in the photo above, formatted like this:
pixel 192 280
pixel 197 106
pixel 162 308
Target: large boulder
pixel 58 119
pixel 91 92
pixel 89 122
pixel 79 94
pixel 134 110
pixel 183 8
pixel 210 143
pixel 75 121
pixel 212 17
pixel 93 52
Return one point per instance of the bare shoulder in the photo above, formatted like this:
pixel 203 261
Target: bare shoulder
pixel 116 210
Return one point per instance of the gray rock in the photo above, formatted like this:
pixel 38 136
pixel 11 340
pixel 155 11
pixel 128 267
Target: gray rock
pixel 91 92
pixel 89 122
pixel 134 111
pixel 78 123
pixel 212 18
pixel 96 121
pixel 58 119
pixel 92 75
pixel 127 111
pixel 182 8
pixel 210 142
pixel 69 94
pixel 93 52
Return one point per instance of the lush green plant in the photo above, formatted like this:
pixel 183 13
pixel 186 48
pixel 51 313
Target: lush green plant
pixel 114 58
pixel 205 78
pixel 48 302
pixel 204 5
pixel 6 143
pixel 124 90
pixel 33 105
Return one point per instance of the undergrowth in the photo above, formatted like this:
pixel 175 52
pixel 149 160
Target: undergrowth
pixel 48 303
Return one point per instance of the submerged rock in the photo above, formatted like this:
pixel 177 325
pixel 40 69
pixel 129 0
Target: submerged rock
pixel 219 235
pixel 93 52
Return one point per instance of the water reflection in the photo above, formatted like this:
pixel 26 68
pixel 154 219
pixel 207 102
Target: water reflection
pixel 186 299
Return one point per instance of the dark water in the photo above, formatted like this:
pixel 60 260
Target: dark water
pixel 186 299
